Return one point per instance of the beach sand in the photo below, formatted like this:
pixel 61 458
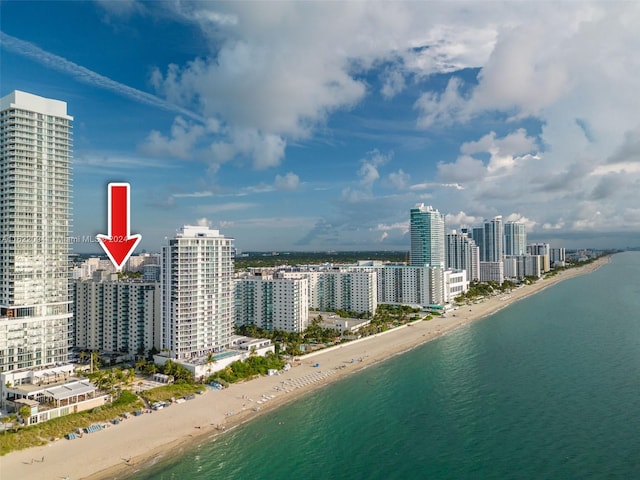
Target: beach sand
pixel 120 450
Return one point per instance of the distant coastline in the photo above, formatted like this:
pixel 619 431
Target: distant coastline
pixel 139 442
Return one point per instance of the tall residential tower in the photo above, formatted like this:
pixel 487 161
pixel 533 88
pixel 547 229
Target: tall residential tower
pixel 198 293
pixel 515 238
pixel 35 202
pixel 427 237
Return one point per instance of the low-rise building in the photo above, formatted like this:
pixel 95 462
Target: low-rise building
pixel 49 393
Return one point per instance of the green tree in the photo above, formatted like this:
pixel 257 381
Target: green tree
pixel 141 364
pixel 25 413
pixel 6 419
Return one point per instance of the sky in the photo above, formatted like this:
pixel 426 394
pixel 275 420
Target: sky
pixel 314 126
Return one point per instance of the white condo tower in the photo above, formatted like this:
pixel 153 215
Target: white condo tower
pixel 35 203
pixel 198 293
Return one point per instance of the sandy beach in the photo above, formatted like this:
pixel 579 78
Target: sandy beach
pixel 120 450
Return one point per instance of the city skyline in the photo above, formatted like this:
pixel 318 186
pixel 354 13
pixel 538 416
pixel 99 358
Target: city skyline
pixel 277 125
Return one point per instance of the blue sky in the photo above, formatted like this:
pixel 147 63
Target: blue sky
pixel 317 126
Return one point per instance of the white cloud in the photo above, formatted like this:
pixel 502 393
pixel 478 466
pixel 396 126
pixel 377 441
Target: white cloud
pixel 266 150
pixel 277 71
pixel 203 222
pixel 623 167
pixel 529 224
pixel 431 185
pixel 281 69
pixel 464 169
pixel 193 195
pixel 399 179
pixel 184 137
pixel 393 83
pixel 368 171
pixel 225 207
pixel 441 109
pixel 454 221
pixel 505 152
pixel 289 181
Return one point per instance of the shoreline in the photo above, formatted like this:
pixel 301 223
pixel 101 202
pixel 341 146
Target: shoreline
pixel 139 442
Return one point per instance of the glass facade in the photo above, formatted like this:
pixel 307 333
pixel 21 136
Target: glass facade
pixel 427 237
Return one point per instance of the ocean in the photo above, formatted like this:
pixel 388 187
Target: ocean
pixel 547 388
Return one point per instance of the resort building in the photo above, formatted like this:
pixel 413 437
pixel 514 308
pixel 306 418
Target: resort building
pixel 427 237
pixel 197 293
pixel 112 315
pixel 35 222
pixel 272 302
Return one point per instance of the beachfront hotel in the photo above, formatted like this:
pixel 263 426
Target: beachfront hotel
pixel 427 237
pixel 197 293
pixel 35 202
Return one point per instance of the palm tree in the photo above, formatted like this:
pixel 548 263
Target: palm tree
pixel 5 419
pixel 211 359
pixel 140 364
pixel 25 413
pixel 95 361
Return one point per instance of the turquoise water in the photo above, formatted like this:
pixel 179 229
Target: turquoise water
pixel 548 388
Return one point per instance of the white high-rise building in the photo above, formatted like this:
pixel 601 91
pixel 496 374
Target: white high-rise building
pixel 35 222
pixel 349 289
pixel 408 285
pixel 272 302
pixel 427 237
pixel 117 316
pixel 198 293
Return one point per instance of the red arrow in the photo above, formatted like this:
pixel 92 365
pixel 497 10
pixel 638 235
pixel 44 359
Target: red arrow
pixel 118 245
